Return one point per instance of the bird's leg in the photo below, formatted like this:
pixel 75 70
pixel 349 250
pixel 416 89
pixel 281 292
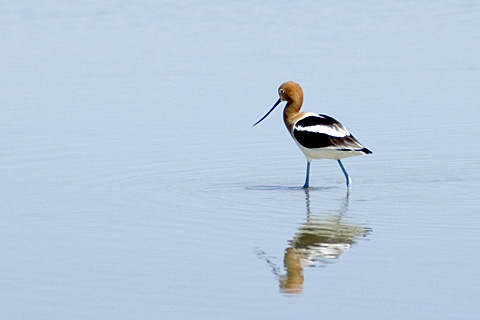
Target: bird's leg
pixel 307 178
pixel 345 173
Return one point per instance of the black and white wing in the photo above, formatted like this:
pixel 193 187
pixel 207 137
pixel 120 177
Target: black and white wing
pixel 321 131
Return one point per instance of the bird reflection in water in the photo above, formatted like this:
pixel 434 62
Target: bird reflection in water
pixel 319 241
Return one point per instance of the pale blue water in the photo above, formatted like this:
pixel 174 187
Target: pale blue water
pixel 134 186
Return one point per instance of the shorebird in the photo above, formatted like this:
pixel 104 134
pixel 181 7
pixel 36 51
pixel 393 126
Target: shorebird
pixel 317 135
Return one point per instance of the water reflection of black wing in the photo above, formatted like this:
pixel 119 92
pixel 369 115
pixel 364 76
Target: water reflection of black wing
pixel 325 237
pixel 321 239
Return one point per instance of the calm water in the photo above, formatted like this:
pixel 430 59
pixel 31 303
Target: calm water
pixel 133 185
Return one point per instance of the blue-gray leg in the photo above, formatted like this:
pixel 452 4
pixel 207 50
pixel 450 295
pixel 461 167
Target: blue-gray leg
pixel 308 175
pixel 345 173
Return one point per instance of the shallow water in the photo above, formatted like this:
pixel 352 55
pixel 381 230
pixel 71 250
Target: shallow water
pixel 134 186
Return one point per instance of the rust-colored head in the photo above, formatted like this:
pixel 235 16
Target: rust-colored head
pixel 290 92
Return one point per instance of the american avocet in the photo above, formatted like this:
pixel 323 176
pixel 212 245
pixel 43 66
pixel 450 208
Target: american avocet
pixel 317 135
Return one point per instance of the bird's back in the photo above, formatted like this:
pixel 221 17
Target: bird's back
pixel 321 136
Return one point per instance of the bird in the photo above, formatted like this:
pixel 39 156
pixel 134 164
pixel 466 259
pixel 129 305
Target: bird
pixel 317 135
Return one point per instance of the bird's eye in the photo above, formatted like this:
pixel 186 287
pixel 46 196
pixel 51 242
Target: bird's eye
pixel 280 91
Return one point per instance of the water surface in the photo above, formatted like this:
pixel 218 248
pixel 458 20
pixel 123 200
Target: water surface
pixel 133 185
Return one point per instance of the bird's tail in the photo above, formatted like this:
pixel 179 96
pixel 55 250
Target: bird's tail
pixel 366 151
